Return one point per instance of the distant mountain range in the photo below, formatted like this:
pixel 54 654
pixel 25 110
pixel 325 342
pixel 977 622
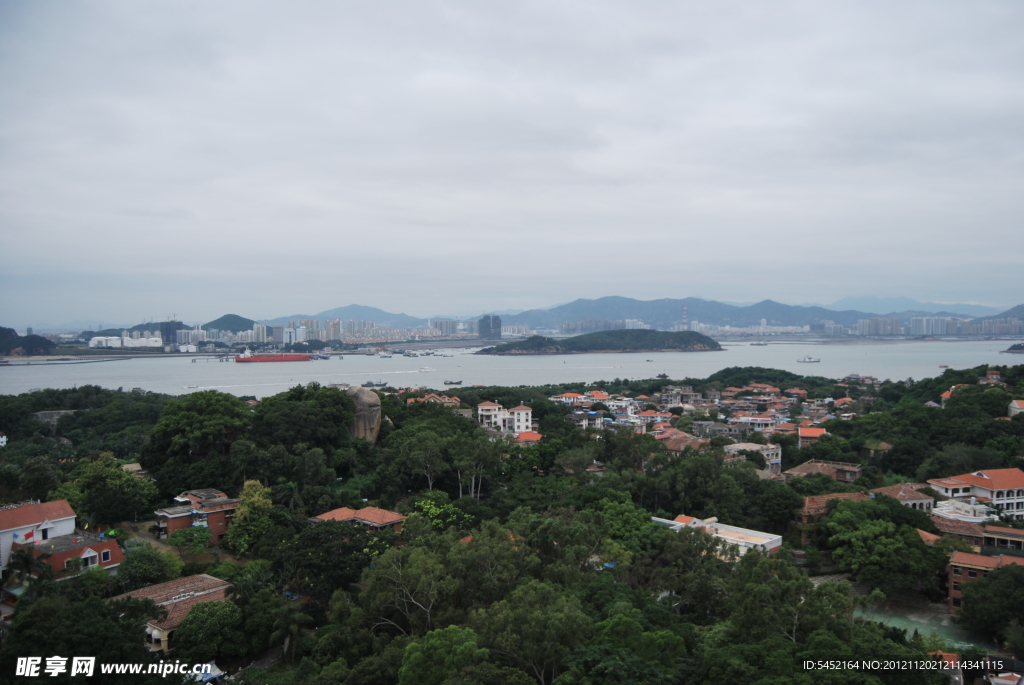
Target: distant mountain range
pixel 357 312
pixel 905 304
pixel 659 314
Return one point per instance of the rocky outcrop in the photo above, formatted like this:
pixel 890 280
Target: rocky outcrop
pixel 366 424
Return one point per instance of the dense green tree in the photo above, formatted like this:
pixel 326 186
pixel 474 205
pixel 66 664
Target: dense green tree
pixel 146 565
pixel 252 518
pixel 535 628
pixel 113 632
pixel 440 654
pixel 993 602
pixel 210 630
pixel 190 540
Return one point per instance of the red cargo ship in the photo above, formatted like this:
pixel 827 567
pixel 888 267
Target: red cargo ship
pixel 272 358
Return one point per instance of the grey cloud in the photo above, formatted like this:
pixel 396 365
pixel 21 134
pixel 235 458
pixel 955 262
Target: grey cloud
pixel 263 158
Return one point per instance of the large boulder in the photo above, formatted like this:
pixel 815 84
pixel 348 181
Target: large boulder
pixel 367 420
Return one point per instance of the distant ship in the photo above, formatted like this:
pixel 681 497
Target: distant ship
pixel 453 382
pixel 384 356
pixel 410 354
pixel 371 384
pixel 808 360
pixel 662 376
pixel 250 357
pixel 759 344
pixel 426 369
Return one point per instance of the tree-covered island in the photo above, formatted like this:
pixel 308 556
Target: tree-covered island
pixel 609 341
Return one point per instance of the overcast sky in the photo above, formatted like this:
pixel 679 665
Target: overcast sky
pixel 271 158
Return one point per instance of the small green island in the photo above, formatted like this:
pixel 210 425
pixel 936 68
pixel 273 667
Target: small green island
pixel 1015 349
pixel 609 341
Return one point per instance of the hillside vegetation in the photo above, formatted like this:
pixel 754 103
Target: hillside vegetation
pixel 610 341
pixel 230 322
pixel 27 345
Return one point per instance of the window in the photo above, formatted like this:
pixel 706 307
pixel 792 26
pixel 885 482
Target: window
pixel 957 602
pixel 972 574
pixel 999 494
pixel 89 561
pixel 956 570
pixel 106 555
pixel 956 587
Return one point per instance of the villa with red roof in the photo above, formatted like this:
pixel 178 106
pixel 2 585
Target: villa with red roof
pixel 372 518
pixel 809 435
pixel 31 523
pixel 965 567
pixel 177 597
pixel 1016 407
pixel 1003 487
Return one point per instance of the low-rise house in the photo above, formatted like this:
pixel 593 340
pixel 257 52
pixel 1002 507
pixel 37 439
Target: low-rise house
pixel 206 507
pixel 528 438
pixel 909 495
pixel 679 441
pixel 743 538
pixel 33 522
pixel 809 435
pixel 999 539
pixel 371 518
pixel 79 551
pixel 816 507
pixel 1016 407
pixel 772 453
pixel 177 597
pixel 1004 488
pixel 836 470
pixel 971 533
pixel 965 567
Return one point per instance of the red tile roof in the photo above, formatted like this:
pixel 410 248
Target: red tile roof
pixel 179 596
pixel 818 504
pixel 488 404
pixel 904 491
pixel 957 527
pixel 372 515
pixel 32 514
pixel 806 432
pixel 928 538
pixel 993 479
pixel 529 436
pixel 521 407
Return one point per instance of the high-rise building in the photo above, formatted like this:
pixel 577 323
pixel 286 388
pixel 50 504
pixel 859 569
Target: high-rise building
pixel 259 333
pixel 278 335
pixel 446 326
pixel 490 327
pixel 350 327
pixel 334 329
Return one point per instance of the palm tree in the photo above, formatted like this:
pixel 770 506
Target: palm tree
pixel 289 625
pixel 24 563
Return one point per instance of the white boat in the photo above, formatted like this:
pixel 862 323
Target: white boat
pixel 426 369
pixel 808 360
pixel 384 356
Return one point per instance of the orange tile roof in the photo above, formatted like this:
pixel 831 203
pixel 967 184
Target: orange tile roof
pixel 928 538
pixel 1019 404
pixel 682 518
pixel 982 561
pixel 570 394
pixel 957 527
pixel 528 436
pixel 997 479
pixel 488 404
pixel 521 407
pixel 32 514
pixel 373 515
pixel 806 432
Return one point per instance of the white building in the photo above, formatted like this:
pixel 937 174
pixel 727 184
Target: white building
pixel 1002 488
pixel 495 416
pixel 744 538
pixel 1016 407
pixel 33 522
pixel 104 341
pixel 3 440
pixel 142 342
pixel 259 333
pixel 772 453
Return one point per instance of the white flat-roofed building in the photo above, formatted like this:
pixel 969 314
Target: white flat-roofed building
pixel 515 420
pixel 772 453
pixel 744 538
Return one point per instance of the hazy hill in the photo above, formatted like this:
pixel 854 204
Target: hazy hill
pixel 230 322
pixel 666 312
pixel 609 341
pixel 899 305
pixel 1012 313
pixel 357 312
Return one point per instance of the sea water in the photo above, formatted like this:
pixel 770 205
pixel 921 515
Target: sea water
pixel 177 375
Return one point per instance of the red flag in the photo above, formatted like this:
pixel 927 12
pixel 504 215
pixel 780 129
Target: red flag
pixel 30 536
